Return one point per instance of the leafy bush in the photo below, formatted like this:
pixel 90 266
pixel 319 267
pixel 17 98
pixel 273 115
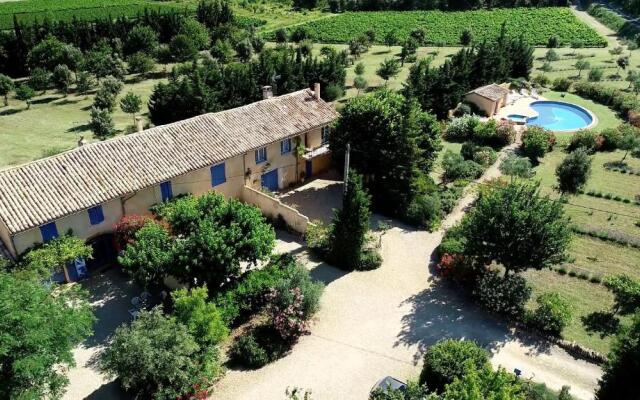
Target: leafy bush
pixel 248 296
pixel 467 150
pixel 503 295
pixel 462 128
pixel 456 167
pixel 595 75
pixel 517 166
pixel 574 171
pixel 158 357
pixel 485 156
pixel 247 352
pixel 536 142
pixel 424 210
pixel 484 133
pixel 200 316
pixel 258 347
pixel 614 98
pixel 449 197
pixel 611 137
pixel 285 309
pixel 445 361
pixel 505 134
pixel 562 84
pixel 584 138
pixel 453 242
pixel 552 315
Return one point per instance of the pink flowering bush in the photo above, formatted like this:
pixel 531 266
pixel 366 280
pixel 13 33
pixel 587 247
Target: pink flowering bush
pixel 286 309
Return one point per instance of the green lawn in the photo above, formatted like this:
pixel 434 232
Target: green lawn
pixel 585 297
pixel 595 212
pixel 597 257
pixel 55 123
pixel 604 258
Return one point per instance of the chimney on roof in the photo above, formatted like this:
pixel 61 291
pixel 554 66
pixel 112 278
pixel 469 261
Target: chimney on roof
pixel 139 124
pixel 82 141
pixel 267 92
pixel 316 90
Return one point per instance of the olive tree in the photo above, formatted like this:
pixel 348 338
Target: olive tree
pixel 574 171
pixel 516 227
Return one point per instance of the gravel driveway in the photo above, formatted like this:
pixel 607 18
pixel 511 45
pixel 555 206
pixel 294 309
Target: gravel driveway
pixel 378 323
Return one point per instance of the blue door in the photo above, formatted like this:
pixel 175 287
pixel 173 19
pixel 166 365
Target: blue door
pixel 308 169
pixel 270 180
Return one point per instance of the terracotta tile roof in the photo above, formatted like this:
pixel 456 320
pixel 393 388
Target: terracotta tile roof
pixel 492 92
pixel 50 188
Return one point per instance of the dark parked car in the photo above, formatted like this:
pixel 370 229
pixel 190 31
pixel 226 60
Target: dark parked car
pixel 389 382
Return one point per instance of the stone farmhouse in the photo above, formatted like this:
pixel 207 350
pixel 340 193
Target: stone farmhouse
pixel 273 143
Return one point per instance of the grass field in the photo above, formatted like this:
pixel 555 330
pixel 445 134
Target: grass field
pixel 55 123
pixel 444 28
pixel 590 255
pixel 585 298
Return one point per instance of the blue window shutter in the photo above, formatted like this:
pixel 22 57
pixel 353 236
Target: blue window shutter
pixel 261 155
pixel 166 191
pixel 218 175
pixel 96 215
pixel 48 231
pixel 285 146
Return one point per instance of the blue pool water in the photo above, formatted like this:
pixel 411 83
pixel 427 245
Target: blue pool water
pixel 559 116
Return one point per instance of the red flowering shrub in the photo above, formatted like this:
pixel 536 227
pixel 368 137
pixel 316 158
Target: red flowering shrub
pixel 126 229
pixel 456 268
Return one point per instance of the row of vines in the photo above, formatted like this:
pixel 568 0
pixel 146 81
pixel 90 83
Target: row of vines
pixel 444 28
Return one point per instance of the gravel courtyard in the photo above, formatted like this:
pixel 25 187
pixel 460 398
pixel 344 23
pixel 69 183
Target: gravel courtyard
pixel 378 323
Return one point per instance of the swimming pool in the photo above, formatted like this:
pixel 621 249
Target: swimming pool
pixel 560 116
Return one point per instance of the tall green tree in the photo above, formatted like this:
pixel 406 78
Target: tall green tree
pixel 389 68
pixel 101 123
pixel 141 39
pixel 623 365
pixel 25 93
pixel 6 86
pixel 130 104
pixel 350 225
pixel 218 234
pixel 51 52
pixel 516 227
pixel 62 78
pixel 394 144
pixel 39 331
pixel 149 258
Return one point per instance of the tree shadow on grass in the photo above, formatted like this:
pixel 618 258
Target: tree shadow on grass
pixel 79 128
pixel 66 101
pixel 44 100
pixel 11 111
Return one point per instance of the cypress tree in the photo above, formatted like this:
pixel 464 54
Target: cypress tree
pixel 350 225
